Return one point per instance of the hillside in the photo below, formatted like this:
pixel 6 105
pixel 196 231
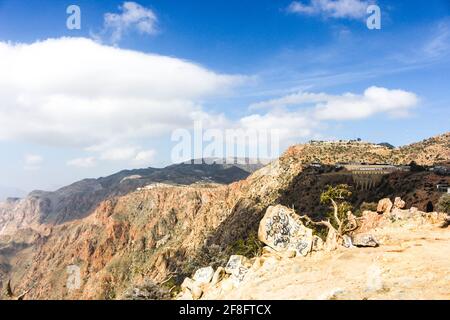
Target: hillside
pixel 173 230
pixel 409 258
pixel 41 209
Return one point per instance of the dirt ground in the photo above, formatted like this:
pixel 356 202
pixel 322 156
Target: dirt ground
pixel 412 262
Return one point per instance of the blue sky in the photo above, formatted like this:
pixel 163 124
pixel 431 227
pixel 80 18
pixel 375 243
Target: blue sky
pixel 316 72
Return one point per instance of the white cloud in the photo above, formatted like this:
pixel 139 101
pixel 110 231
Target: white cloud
pixel 133 16
pixel 118 154
pixel 74 92
pixel 350 9
pixel 374 100
pixel 88 162
pixel 439 44
pixel 144 157
pixel 303 114
pixel 33 161
pixel 348 106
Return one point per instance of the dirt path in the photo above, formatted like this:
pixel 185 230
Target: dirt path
pixel 411 263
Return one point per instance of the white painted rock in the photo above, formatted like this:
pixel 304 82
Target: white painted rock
pixel 238 267
pixel 204 275
pixel 282 230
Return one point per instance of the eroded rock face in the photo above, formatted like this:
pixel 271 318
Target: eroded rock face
pixel 282 230
pixel 384 206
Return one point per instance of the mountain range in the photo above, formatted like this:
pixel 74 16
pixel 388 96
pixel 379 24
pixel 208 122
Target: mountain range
pixel 137 225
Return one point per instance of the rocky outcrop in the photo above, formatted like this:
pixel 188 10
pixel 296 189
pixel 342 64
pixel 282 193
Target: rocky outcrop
pixel 384 206
pixel 282 230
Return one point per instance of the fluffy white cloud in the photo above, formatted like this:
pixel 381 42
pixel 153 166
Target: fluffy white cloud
pixel 144 157
pixel 374 100
pixel 75 92
pixel 347 106
pixel 304 114
pixel 88 162
pixel 351 9
pixel 118 154
pixel 133 16
pixel 33 161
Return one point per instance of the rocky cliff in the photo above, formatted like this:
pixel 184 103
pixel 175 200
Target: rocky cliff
pixel 165 233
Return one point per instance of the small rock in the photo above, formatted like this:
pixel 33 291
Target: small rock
pixel 196 292
pixel 331 295
pixel 238 267
pixel 218 275
pixel 399 203
pixel 204 275
pixel 188 283
pixel 384 206
pixel 331 242
pixel 364 240
pixel 347 241
pixel 235 262
pixel 317 244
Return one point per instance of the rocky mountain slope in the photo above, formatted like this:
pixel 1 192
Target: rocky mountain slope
pixel 41 209
pixel 172 230
pixel 408 257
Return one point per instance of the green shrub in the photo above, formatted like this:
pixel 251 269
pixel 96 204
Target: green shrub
pixel 249 247
pixel 444 203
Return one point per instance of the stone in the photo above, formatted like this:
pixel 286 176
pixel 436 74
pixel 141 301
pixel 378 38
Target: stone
pixel 185 295
pixel 235 262
pixel 399 214
pixel 384 206
pixel 331 242
pixel 204 275
pixel 370 220
pixel 317 244
pixel 399 203
pixel 196 292
pixel 188 283
pixel 282 230
pixel 238 267
pixel 364 240
pixel 347 241
pixel 218 275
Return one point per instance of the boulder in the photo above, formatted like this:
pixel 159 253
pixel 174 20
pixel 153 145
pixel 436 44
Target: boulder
pixel 370 220
pixel 204 275
pixel 399 203
pixel 364 240
pixel 238 267
pixel 282 230
pixel 384 206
